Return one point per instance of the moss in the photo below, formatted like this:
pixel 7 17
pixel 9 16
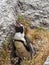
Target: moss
pixel 19 17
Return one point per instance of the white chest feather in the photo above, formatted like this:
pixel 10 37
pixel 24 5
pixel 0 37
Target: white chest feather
pixel 19 36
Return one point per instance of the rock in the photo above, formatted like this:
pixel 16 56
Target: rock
pixel 35 9
pixel 7 16
pixel 1 32
pixel 4 36
pixel 44 23
pixel 1 43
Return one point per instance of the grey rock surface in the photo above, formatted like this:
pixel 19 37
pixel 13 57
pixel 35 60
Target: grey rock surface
pixel 36 10
pixel 7 17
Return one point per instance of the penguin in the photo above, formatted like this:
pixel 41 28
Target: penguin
pixel 20 36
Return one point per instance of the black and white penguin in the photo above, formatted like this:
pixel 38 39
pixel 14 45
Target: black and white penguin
pixel 20 36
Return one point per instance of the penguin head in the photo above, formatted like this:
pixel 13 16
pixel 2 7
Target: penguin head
pixel 19 28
